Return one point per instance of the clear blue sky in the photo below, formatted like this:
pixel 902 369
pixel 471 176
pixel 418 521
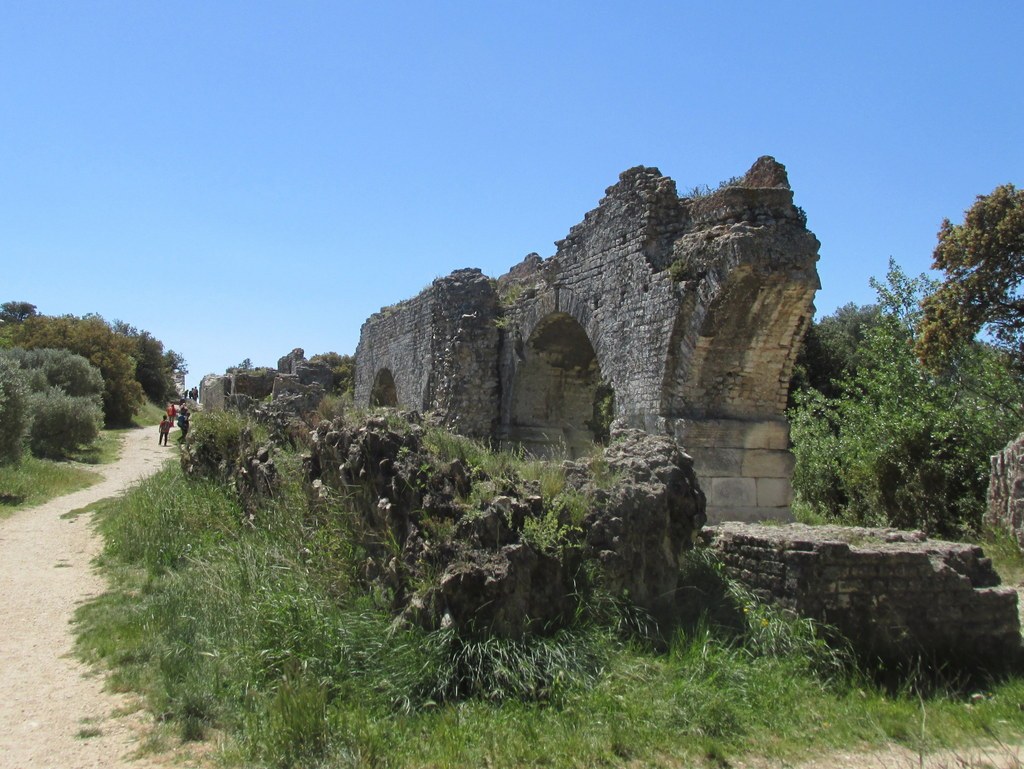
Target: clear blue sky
pixel 242 178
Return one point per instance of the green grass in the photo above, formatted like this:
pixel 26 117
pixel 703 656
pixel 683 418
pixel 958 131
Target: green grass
pixel 1006 555
pixel 243 630
pixel 148 415
pixel 104 450
pixel 34 481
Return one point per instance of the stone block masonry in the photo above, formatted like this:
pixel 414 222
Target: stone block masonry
pixel 676 315
pixel 893 594
pixel 1006 491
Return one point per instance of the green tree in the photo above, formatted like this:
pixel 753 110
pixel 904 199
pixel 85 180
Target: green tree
pixel 15 414
pixel 342 371
pixel 16 312
pixel 983 262
pixel 45 368
pixel 831 349
pixel 176 362
pixel 154 369
pixel 902 445
pixel 92 338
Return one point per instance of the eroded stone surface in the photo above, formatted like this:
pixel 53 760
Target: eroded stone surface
pixel 1006 490
pixel 487 567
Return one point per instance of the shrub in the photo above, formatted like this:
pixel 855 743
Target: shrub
pixel 215 440
pixel 59 368
pixel 61 422
pixel 901 445
pixel 15 413
pixel 113 354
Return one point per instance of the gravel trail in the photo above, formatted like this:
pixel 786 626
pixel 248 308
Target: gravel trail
pixel 54 711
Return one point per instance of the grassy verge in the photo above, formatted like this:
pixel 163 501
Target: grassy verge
pixel 35 481
pixel 150 414
pixel 248 630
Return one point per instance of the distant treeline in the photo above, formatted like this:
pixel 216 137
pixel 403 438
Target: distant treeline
pixel 62 377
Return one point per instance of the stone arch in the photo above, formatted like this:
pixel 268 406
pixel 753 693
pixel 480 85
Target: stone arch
pixel 733 358
pixel 384 392
pixel 560 402
pixel 559 299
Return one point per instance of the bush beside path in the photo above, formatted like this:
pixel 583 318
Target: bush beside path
pixel 54 711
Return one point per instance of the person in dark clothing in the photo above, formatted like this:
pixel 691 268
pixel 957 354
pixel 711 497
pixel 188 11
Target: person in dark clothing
pixel 183 422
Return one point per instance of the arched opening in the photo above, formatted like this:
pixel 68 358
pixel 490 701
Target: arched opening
pixel 560 403
pixel 384 392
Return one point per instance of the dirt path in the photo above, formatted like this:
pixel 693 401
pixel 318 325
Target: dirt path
pixel 53 709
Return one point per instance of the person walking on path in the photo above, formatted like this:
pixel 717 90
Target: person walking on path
pixel 183 423
pixel 165 430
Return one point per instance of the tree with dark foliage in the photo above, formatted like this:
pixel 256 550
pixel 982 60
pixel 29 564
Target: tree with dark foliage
pixel 983 261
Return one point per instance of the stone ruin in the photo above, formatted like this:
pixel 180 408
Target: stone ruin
pixel 895 595
pixel 680 316
pixel 447 564
pixel 1006 491
pixel 295 378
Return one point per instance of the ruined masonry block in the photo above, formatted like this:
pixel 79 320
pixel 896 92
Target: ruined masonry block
pixel 760 463
pixel 1006 490
pixel 731 433
pixel 721 462
pixel 732 492
pixel 774 492
pixel 859 581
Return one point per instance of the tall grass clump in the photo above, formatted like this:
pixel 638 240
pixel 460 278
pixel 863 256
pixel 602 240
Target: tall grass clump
pixel 216 437
pixel 166 518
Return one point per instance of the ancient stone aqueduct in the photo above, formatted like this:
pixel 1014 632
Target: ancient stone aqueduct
pixel 682 314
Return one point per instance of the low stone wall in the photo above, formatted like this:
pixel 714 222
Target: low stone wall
pixel 893 594
pixel 1006 490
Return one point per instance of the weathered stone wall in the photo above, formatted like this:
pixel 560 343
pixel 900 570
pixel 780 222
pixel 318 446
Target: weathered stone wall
pixel 893 594
pixel 286 363
pixel 294 374
pixel 441 349
pixel 1006 490
pixel 690 310
pixel 255 384
pixel 743 464
pixel 213 390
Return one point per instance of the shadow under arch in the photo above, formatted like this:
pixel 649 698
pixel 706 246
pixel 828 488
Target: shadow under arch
pixel 560 402
pixel 384 392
